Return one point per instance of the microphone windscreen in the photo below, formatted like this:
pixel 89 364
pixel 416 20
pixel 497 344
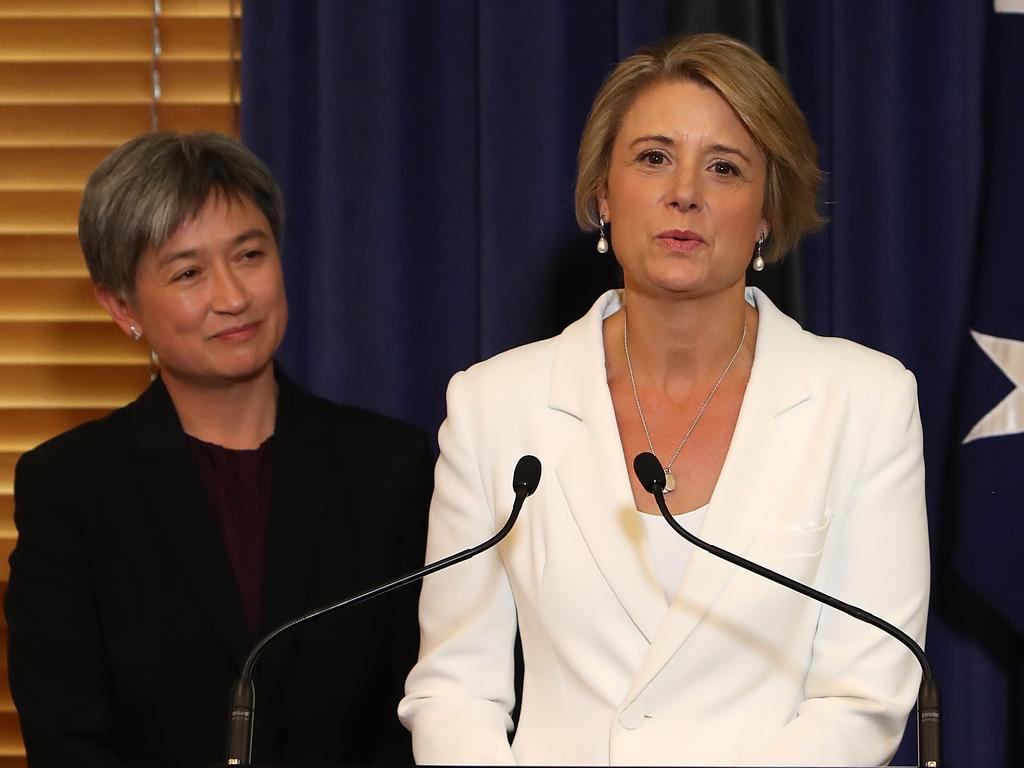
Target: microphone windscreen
pixel 649 471
pixel 527 474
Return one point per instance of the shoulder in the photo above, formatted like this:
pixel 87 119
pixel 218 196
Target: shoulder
pixel 305 411
pixel 82 448
pixel 829 362
pixel 510 373
pixel 576 354
pixel 853 365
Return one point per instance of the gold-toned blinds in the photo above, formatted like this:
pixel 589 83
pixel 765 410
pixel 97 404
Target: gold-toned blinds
pixel 75 82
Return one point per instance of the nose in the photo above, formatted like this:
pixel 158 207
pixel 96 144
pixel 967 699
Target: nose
pixel 685 192
pixel 230 293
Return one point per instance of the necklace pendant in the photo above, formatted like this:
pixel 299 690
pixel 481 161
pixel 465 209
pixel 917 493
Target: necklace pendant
pixel 670 482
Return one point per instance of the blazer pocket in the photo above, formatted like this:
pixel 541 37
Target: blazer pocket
pixel 795 539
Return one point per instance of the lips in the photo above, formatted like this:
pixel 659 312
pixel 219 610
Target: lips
pixel 237 333
pixel 680 239
pixel 680 234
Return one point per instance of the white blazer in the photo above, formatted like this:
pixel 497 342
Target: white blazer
pixel 823 481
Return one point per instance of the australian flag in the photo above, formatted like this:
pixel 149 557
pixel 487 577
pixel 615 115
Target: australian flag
pixel 988 545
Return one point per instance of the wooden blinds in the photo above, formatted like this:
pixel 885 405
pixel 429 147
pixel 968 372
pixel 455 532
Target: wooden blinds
pixel 76 80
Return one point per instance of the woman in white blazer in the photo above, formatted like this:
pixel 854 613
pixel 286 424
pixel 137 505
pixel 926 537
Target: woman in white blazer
pixel 801 453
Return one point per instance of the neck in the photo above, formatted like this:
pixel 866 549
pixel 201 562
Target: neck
pixel 238 415
pixel 675 345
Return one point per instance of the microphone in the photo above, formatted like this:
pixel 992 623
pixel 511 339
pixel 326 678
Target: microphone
pixel 525 480
pixel 929 737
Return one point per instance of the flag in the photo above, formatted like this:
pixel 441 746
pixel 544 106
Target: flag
pixel 988 544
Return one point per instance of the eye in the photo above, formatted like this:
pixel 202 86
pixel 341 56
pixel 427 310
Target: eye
pixel 186 275
pixel 724 168
pixel 250 256
pixel 653 157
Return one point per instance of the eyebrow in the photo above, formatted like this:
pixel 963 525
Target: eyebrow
pixel 722 149
pixel 725 149
pixel 655 138
pixel 250 234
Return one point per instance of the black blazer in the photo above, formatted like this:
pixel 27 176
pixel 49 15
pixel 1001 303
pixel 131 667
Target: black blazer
pixel 126 628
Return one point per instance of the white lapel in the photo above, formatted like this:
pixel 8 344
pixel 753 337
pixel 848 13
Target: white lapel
pixel 593 472
pixel 757 468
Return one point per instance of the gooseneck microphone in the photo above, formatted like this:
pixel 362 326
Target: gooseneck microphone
pixel 525 480
pixel 929 738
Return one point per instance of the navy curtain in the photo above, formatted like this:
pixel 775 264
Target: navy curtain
pixel 916 106
pixel 427 152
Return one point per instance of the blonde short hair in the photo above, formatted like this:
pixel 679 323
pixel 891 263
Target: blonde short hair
pixel 761 101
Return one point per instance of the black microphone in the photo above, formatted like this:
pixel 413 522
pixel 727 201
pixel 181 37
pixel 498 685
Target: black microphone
pixel 929 737
pixel 525 480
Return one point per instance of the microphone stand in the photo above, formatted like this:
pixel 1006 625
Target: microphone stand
pixel 243 694
pixel 929 737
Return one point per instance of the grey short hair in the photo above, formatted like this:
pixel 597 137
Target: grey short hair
pixel 142 192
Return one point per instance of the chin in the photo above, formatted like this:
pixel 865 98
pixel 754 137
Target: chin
pixel 250 371
pixel 218 374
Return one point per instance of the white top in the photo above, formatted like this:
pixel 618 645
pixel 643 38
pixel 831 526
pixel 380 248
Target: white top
pixel 823 480
pixel 670 552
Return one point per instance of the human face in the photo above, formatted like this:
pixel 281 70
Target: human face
pixel 685 193
pixel 210 300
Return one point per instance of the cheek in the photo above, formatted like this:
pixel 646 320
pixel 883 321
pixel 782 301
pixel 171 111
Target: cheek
pixel 623 197
pixel 628 215
pixel 183 312
pixel 274 296
pixel 744 213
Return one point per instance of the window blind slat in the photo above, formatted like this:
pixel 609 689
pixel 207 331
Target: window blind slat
pixel 105 40
pixel 34 254
pixel 23 428
pixel 182 82
pixel 50 298
pixel 48 211
pixel 65 168
pixel 7 462
pixel 117 8
pixel 71 386
pixel 55 342
pixel 106 125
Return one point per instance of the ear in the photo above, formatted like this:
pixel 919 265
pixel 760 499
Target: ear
pixel 763 227
pixel 602 205
pixel 119 308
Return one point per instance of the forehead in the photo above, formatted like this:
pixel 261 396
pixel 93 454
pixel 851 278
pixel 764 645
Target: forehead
pixel 220 216
pixel 222 221
pixel 684 110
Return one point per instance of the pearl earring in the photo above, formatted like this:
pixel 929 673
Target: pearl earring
pixel 758 264
pixel 602 241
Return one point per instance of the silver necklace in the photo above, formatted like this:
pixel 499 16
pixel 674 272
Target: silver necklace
pixel 670 481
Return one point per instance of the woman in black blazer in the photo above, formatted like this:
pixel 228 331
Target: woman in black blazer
pixel 157 544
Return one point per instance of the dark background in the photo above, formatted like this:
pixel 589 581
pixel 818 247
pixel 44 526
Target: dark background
pixel 427 153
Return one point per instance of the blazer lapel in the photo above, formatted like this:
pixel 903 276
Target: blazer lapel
pixel 171 481
pixel 298 501
pixel 757 469
pixel 593 473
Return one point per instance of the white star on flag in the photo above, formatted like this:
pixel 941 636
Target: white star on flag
pixel 1007 418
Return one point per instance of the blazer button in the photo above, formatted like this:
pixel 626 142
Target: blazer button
pixel 631 719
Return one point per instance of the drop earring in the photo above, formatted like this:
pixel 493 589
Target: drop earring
pixel 758 264
pixel 602 241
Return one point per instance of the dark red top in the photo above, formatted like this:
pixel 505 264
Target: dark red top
pixel 237 485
